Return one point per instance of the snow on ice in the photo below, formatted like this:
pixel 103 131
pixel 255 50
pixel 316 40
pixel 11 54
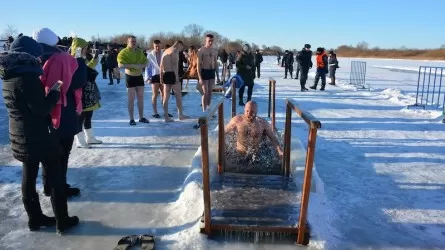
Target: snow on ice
pixel 379 179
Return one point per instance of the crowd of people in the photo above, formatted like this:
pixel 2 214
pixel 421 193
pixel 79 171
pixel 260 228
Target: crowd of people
pixel 51 95
pixel 303 62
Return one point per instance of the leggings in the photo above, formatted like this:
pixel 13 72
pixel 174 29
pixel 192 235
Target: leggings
pixel 85 119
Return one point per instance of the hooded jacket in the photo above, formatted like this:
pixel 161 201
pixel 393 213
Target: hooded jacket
pixel 27 104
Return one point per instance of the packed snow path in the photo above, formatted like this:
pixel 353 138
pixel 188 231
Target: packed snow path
pixel 379 171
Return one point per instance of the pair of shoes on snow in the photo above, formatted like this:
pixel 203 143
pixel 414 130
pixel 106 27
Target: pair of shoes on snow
pixel 142 120
pixel 46 221
pixel 159 116
pixel 147 242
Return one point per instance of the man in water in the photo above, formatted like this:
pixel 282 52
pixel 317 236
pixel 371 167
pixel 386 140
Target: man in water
pixel 250 131
pixel 169 78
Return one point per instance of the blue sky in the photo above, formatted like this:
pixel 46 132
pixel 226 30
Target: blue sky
pixel 286 23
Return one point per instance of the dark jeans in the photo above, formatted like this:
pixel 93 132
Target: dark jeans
pixel 249 92
pixel 65 144
pixel 110 75
pixel 303 76
pixel 322 75
pixel 85 119
pixel 55 184
pixel 297 73
pixel 257 68
pixel 288 68
pixel 104 73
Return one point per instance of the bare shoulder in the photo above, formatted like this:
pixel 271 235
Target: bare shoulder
pixel 263 122
pixel 237 119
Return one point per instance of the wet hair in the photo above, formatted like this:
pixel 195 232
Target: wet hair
pixel 209 35
pixel 157 41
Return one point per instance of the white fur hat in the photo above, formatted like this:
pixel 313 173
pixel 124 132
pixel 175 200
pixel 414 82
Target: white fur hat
pixel 46 36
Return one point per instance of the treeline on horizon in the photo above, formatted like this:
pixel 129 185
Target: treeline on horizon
pixel 193 35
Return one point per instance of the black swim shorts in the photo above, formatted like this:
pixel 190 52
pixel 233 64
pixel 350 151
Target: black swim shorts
pixel 155 79
pixel 208 74
pixel 169 78
pixel 134 81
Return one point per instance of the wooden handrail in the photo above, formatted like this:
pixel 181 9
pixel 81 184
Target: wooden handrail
pixel 205 156
pixel 271 108
pixel 314 125
pixel 233 86
pixel 307 117
pixel 203 119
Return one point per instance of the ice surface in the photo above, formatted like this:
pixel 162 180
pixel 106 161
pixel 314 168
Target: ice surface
pixel 379 180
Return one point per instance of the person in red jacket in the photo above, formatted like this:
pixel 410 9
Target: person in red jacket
pixel 322 68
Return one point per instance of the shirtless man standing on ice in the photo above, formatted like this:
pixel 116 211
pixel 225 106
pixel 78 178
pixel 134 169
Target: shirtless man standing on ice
pixel 250 130
pixel 207 68
pixel 170 79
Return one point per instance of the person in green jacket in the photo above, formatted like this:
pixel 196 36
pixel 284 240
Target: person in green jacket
pixel 245 68
pixel 133 60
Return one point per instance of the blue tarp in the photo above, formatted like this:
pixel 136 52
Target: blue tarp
pixel 239 84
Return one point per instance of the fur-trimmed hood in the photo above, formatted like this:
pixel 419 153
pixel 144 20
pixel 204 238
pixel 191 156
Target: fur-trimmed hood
pixel 13 63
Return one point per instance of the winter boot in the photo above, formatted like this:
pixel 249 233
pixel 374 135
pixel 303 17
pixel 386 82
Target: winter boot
pixel 80 141
pixel 36 217
pixel 90 139
pixel 60 208
pixel 71 191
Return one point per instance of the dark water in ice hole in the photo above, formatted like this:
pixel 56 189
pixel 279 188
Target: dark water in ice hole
pixel 265 161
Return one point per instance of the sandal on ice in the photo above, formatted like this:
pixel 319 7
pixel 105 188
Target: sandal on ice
pixel 127 242
pixel 143 120
pixel 147 241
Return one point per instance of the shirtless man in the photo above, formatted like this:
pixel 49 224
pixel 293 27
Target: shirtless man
pixel 170 79
pixel 250 130
pixel 207 68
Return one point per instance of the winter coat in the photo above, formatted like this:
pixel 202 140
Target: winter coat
pixel 60 66
pixel 248 74
pixel 103 62
pixel 322 62
pixel 69 122
pixel 333 63
pixel 91 93
pixel 305 59
pixel 289 60
pixel 258 59
pixel 112 59
pixel 28 106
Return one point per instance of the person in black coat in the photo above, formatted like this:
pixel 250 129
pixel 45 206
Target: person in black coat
pixel 112 64
pixel 305 60
pixel 288 64
pixel 245 69
pixel 31 142
pixel 258 61
pixel 69 119
pixel 297 73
